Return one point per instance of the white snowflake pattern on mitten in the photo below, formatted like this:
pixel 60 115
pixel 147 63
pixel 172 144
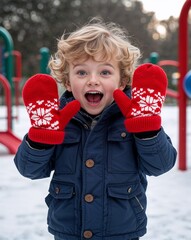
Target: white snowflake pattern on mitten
pixel 149 102
pixel 41 116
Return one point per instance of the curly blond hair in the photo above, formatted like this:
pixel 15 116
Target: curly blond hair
pixel 100 41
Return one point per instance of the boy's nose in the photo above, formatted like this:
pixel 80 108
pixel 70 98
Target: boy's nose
pixel 93 81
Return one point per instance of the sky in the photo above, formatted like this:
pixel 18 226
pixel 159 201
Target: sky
pixel 164 8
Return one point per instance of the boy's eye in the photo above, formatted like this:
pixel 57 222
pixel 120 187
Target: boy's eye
pixel 105 72
pixel 81 73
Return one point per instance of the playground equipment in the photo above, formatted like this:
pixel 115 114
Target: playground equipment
pixel 184 83
pixel 183 69
pixel 7 138
pixel 8 57
pixel 10 77
pixel 187 84
pixel 44 58
pixel 17 75
pixel 10 83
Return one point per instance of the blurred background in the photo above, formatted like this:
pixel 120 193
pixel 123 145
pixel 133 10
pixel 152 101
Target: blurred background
pixel 35 24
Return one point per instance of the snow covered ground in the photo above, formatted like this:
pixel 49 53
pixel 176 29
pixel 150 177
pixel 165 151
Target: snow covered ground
pixel 23 211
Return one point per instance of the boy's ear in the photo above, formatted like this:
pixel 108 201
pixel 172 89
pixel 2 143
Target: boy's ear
pixel 122 85
pixel 68 86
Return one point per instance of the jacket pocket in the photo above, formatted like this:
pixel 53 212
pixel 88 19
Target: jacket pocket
pixel 121 151
pixel 67 154
pixel 61 202
pixel 126 208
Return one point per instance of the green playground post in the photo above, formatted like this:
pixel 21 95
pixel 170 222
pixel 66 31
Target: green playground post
pixel 45 56
pixel 154 58
pixel 4 34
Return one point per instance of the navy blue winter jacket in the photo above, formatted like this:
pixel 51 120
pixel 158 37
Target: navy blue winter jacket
pixel 98 186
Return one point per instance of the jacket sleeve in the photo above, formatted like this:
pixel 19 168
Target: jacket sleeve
pixel 34 163
pixel 156 155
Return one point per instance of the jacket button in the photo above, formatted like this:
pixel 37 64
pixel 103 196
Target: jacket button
pixel 86 126
pixel 88 234
pixel 89 198
pixel 123 134
pixel 90 163
pixel 57 190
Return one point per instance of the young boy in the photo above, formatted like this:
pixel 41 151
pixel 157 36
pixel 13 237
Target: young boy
pixel 99 142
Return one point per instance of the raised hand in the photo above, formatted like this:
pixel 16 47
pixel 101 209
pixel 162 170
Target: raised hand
pixel 40 95
pixel 142 111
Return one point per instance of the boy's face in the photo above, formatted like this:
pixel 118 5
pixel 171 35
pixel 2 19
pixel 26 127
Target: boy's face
pixel 92 84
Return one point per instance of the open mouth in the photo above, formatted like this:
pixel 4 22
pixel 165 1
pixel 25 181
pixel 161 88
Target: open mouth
pixel 94 96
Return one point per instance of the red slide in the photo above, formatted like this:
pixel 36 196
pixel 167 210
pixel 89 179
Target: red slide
pixel 7 137
pixel 9 140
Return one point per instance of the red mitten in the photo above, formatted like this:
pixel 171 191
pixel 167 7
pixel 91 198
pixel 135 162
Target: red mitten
pixel 40 95
pixel 142 112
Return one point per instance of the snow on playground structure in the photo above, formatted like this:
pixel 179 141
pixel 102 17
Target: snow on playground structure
pixel 8 139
